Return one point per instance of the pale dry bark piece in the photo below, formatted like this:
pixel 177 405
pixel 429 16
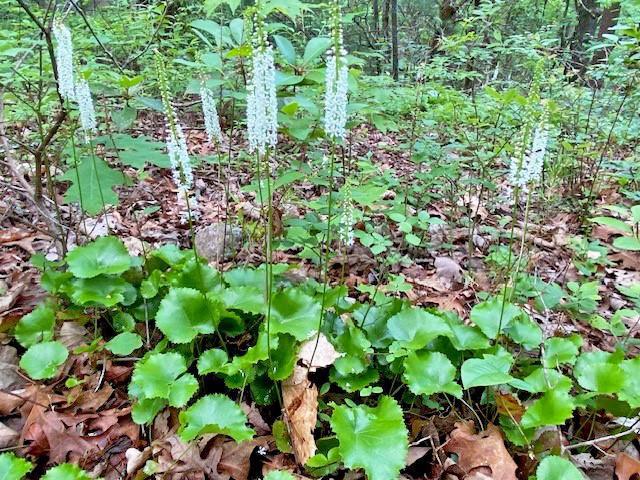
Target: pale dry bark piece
pixel 322 356
pixel 485 449
pixel 300 402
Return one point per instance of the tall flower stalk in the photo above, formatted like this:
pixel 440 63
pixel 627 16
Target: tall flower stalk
pixel 180 165
pixel 335 120
pixel 85 107
pixel 262 104
pixel 176 142
pixel 525 172
pixel 262 132
pixel 78 90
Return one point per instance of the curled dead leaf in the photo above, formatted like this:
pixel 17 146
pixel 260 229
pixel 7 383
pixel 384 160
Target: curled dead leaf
pixel 300 402
pixel 483 450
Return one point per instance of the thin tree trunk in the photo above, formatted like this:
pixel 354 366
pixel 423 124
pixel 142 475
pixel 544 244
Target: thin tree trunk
pixel 394 40
pixel 608 20
pixel 587 11
pixel 376 16
pixel 385 17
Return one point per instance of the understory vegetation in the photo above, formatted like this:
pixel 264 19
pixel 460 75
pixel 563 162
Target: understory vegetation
pixel 301 239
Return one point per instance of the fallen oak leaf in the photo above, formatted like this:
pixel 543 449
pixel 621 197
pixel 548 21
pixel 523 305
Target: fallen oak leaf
pixel 627 467
pixel 136 459
pixel 485 449
pixel 255 419
pixel 236 457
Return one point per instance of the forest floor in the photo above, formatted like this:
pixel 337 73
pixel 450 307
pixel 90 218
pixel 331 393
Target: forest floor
pixel 448 275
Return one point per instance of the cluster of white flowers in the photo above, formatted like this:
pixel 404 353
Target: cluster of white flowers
pixel 69 88
pixel 64 60
pixel 85 106
pixel 535 159
pixel 211 120
pixel 179 155
pixel 345 229
pixel 527 164
pixel 176 141
pixel 336 83
pixel 262 104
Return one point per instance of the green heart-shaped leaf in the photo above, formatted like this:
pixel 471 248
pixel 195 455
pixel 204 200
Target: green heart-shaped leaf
pixel 162 375
pixel 372 438
pixel 414 328
pixel 554 408
pixel 13 468
pixel 36 327
pixel 214 414
pixel 66 471
pixel 294 312
pixel 487 315
pixel 41 361
pixel 427 373
pixel 105 256
pixel 124 343
pixel 489 370
pixel 558 468
pixel 184 313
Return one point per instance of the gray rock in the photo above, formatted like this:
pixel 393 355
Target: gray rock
pixel 214 244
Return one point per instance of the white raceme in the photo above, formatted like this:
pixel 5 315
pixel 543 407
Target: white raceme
pixel 335 100
pixel 535 160
pixel 64 60
pixel 210 112
pixel 85 106
pixel 527 163
pixel 179 155
pixel 262 104
pixel 176 141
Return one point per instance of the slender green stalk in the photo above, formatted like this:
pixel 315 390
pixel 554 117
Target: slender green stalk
pixel 74 153
pixel 514 213
pixel 524 237
pixel 199 266
pixel 95 169
pixel 325 273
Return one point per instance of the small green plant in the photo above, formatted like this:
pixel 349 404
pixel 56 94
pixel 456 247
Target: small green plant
pixel 627 223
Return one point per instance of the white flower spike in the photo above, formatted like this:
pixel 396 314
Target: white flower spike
pixel 336 82
pixel 176 141
pixel 85 106
pixel 210 112
pixel 345 229
pixel 527 164
pixel 262 103
pixel 64 60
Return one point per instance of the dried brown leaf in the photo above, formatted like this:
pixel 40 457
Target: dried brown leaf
pixel 627 467
pixel 300 399
pixel 485 449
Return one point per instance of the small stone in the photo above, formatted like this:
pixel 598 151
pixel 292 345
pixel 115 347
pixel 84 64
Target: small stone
pixel 218 241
